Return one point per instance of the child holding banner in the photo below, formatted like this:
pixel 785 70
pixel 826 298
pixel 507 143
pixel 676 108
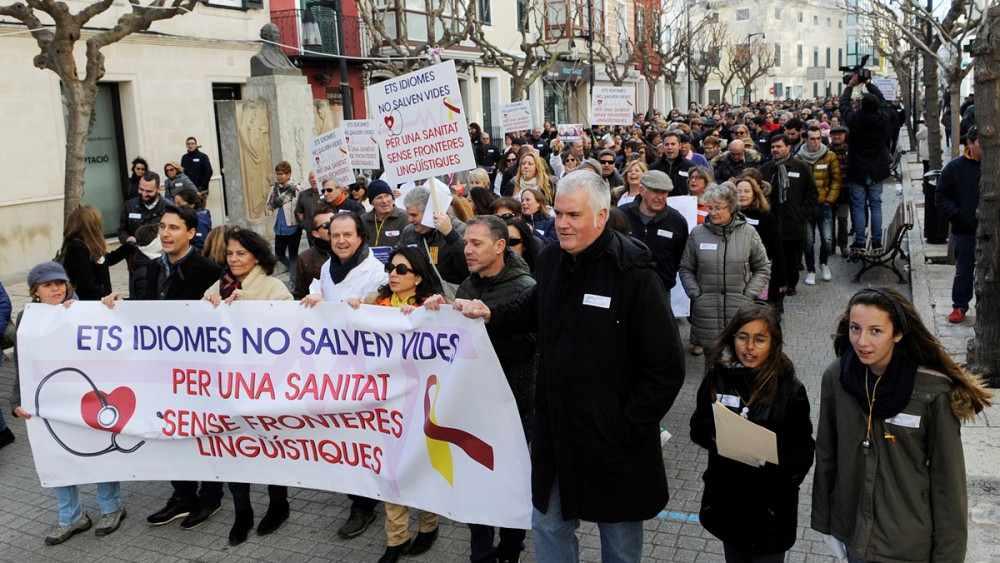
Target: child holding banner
pixel 411 282
pixel 49 284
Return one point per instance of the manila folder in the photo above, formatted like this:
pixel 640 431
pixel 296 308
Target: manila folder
pixel 742 440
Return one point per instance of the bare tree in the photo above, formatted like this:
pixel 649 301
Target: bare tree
pixel 668 47
pixel 648 39
pixel 984 354
pixel 535 55
pixel 57 37
pixel 708 41
pixel 750 61
pixel 447 23
pixel 891 45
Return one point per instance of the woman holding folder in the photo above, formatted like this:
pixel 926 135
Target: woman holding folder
pixel 753 509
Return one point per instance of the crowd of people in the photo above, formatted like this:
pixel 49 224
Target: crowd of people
pixel 569 249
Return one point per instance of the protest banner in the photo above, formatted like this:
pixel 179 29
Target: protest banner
pixel 331 159
pixel 413 410
pixel 612 105
pixel 687 206
pixel 421 122
pixel 888 86
pixel 516 116
pixel 361 143
pixel 570 132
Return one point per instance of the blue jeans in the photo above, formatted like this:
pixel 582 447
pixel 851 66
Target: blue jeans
pixel 822 218
pixel 866 198
pixel 556 541
pixel 965 266
pixel 108 498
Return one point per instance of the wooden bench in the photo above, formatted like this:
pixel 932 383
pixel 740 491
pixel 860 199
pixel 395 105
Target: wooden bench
pixel 892 244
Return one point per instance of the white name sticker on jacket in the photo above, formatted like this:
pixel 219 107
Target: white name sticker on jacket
pixel 728 400
pixel 708 246
pixel 753 221
pixel 905 420
pixel 793 174
pixel 539 231
pixel 135 216
pixel 682 173
pixel 822 166
pixel 393 234
pixel 597 300
pixel 196 160
pixel 664 233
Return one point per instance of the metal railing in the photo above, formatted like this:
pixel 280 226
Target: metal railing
pixel 289 22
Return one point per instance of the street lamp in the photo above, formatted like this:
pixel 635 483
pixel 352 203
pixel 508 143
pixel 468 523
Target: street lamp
pixel 312 38
pixel 750 36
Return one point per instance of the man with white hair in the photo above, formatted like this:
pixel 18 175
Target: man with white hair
pixel 596 451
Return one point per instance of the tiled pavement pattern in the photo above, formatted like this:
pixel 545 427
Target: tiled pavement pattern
pixel 310 533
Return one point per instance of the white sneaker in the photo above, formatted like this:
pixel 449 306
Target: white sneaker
pixel 826 272
pixel 811 278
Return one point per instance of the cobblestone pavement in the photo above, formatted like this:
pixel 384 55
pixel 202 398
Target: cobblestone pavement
pixel 310 533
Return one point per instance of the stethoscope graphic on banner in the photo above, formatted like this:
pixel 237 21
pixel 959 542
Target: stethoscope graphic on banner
pixel 107 417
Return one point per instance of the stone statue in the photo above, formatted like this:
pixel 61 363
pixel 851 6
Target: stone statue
pixel 253 130
pixel 270 60
pixel 323 119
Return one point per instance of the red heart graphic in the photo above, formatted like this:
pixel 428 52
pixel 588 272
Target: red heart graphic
pixel 347 140
pixel 599 102
pixel 122 399
pixel 390 121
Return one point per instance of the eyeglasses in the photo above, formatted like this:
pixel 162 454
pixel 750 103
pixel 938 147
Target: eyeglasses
pixel 758 341
pixel 140 168
pixel 357 188
pixel 515 242
pixel 323 227
pixel 400 269
pixel 740 133
pixel 329 190
pixel 169 169
pixel 512 159
pixel 571 159
pixel 507 216
pixel 607 162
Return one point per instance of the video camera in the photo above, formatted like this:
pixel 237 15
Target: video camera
pixel 859 70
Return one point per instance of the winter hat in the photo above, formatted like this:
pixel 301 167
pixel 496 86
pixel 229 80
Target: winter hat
pixel 377 188
pixel 46 272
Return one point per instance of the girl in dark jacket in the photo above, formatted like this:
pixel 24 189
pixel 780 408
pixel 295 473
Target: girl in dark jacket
pixel 85 253
pixel 754 509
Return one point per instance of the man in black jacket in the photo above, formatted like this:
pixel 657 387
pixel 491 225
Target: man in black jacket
pixel 181 274
pixel 610 366
pixel 957 197
pixel 443 242
pixel 147 207
pixel 867 158
pixel 663 229
pixel 498 275
pixel 673 162
pixel 197 166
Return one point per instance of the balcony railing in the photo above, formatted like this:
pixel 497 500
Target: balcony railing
pixel 289 22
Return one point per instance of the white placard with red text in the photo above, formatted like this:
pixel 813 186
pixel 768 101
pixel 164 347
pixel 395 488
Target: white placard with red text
pixel 413 410
pixel 612 105
pixel 421 122
pixel 361 143
pixel 516 116
pixel 331 158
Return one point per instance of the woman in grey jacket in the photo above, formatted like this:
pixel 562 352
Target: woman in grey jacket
pixel 890 472
pixel 724 266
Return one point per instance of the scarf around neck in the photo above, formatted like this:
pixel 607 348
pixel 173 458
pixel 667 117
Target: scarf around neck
pixel 894 386
pixel 810 158
pixel 227 284
pixel 339 271
pixel 782 179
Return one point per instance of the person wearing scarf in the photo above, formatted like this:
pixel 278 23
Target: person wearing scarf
pixel 825 167
pixel 793 197
pixel 287 234
pixel 890 472
pixel 352 270
pixel 310 263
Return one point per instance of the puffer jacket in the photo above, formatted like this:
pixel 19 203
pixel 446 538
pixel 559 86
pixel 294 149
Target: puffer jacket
pixel 826 174
pixel 722 269
pixel 903 499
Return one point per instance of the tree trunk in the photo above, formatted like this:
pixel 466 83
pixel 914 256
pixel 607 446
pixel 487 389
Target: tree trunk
pixel 984 354
pixel 81 96
pixel 955 87
pixel 932 107
pixel 906 93
pixel 651 89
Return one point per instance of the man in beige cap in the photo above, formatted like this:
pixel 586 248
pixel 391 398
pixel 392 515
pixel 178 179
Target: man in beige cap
pixel 663 229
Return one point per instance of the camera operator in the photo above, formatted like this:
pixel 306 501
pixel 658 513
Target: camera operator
pixel 867 155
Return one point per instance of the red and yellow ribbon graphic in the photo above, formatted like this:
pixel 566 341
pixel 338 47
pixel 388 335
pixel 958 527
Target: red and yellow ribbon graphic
pixel 438 438
pixel 452 110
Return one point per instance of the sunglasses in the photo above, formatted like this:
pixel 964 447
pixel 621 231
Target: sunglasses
pixel 607 162
pixel 329 190
pixel 572 160
pixel 323 227
pixel 140 168
pixel 507 216
pixel 357 188
pixel 514 242
pixel 400 269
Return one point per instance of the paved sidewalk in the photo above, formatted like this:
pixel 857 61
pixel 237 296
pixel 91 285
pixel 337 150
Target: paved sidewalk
pixel 310 533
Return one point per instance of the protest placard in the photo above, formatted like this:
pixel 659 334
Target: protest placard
pixel 570 132
pixel 612 105
pixel 361 143
pixel 888 86
pixel 331 159
pixel 421 122
pixel 687 206
pixel 413 410
pixel 516 116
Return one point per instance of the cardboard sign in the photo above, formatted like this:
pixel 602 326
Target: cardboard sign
pixel 421 124
pixel 331 158
pixel 410 409
pixel 612 105
pixel 362 143
pixel 516 116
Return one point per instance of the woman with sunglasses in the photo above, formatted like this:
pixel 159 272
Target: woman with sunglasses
pixel 509 159
pixel 890 470
pixel 176 180
pixel 522 240
pixel 359 192
pixel 411 281
pixel 749 373
pixel 139 167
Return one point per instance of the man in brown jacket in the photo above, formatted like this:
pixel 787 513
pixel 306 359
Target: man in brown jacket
pixel 311 261
pixel 826 172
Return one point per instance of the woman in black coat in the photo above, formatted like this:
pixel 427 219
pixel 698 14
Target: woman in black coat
pixel 85 254
pixel 756 208
pixel 754 509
